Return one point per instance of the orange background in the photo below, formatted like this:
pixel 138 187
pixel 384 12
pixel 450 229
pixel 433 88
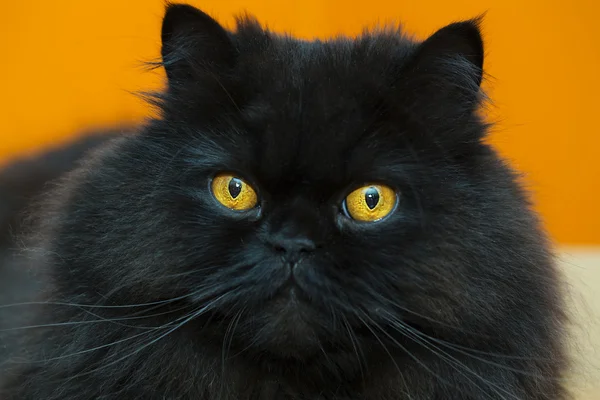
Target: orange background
pixel 73 64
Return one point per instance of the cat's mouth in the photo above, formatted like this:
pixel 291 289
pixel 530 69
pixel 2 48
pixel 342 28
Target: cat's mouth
pixel 291 293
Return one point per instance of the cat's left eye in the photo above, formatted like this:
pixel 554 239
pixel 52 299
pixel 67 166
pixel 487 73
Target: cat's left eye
pixel 233 192
pixel 370 203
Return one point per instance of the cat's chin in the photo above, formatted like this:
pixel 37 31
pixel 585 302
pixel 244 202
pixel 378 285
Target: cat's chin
pixel 289 325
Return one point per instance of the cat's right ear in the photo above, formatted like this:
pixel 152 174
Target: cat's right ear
pixel 192 43
pixel 446 71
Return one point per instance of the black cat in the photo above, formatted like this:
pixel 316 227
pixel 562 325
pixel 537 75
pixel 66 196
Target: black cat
pixel 306 220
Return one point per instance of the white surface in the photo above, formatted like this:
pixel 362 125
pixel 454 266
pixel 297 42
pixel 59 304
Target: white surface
pixel 582 270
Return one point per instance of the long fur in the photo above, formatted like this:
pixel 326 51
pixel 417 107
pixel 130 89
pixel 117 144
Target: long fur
pixel 151 289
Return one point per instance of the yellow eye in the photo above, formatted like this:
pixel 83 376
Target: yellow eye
pixel 371 203
pixel 233 192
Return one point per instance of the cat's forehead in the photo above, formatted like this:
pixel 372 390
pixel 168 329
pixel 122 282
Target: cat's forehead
pixel 315 112
pixel 326 76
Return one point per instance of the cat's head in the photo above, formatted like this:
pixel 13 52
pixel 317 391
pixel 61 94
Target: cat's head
pixel 300 191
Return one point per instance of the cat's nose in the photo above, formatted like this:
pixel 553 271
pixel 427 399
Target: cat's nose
pixel 292 247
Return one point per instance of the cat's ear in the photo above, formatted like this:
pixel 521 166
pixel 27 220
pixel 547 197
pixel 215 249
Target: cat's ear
pixel 192 41
pixel 446 69
pixel 458 46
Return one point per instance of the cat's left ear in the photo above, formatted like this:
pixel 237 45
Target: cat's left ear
pixel 446 70
pixel 192 42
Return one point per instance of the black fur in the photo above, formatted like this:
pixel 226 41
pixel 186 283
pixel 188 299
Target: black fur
pixel 26 178
pixel 159 292
pixel 21 183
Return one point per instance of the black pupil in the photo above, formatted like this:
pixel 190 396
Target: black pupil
pixel 372 197
pixel 235 187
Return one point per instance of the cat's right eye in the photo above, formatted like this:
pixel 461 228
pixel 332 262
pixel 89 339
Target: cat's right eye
pixel 233 192
pixel 370 203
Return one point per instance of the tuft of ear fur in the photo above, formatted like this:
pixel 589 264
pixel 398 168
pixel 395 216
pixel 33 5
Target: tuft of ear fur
pixel 446 72
pixel 459 45
pixel 192 41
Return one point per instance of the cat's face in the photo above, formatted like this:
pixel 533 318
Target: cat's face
pixel 307 189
